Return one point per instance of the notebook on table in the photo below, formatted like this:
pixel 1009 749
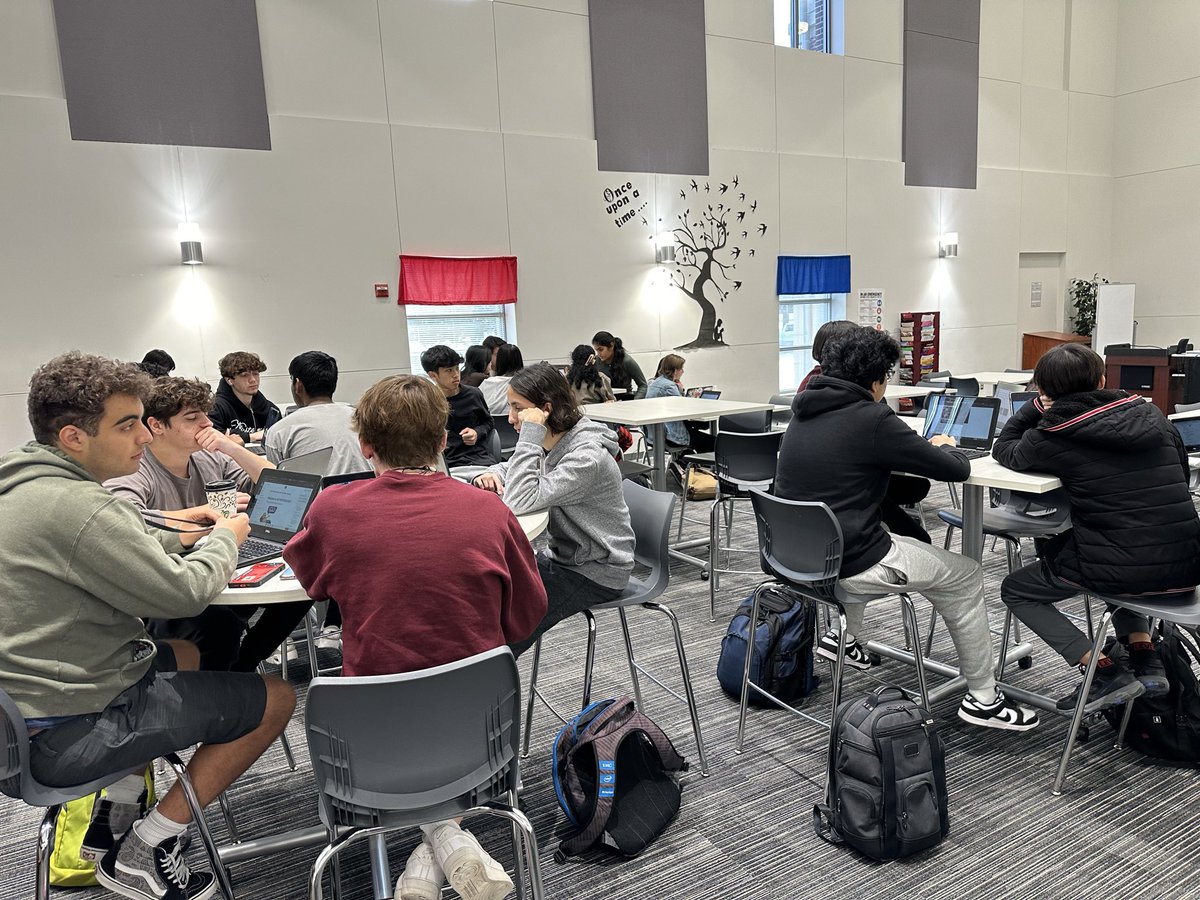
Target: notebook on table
pixel 277 513
pixel 971 421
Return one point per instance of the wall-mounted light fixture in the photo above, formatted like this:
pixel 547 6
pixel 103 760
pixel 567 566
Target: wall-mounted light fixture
pixel 190 251
pixel 664 248
pixel 948 244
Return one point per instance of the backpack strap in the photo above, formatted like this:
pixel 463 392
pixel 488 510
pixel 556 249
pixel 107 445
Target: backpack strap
pixel 618 710
pixel 671 759
pixel 605 747
pixel 823 825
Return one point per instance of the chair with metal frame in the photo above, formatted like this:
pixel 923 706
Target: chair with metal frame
pixel 800 549
pixel 782 418
pixel 741 423
pixel 963 387
pixel 650 516
pixel 377 773
pixel 18 782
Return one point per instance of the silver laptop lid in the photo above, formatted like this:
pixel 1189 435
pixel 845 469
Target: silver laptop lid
pixel 315 463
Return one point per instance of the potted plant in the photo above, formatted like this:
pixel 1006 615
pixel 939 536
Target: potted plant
pixel 1082 292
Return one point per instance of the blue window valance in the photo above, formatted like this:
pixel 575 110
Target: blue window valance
pixel 813 275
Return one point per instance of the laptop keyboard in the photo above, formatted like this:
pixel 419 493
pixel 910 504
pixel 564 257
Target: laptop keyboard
pixel 974 454
pixel 253 548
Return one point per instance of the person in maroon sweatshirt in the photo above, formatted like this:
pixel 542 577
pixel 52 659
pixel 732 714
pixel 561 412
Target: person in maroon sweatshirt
pixel 426 570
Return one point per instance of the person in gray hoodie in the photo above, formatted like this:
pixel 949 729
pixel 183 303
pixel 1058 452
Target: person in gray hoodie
pixel 80 570
pixel 566 463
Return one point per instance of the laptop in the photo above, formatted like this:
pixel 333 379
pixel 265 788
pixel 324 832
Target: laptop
pixel 971 421
pixel 276 513
pixel 1189 432
pixel 710 394
pixel 315 463
pixel 695 392
pixel 1012 397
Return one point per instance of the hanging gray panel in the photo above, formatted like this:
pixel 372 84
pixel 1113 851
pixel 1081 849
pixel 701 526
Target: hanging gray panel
pixel 163 72
pixel 650 86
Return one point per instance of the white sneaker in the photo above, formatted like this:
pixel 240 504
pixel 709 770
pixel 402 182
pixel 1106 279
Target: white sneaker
pixel 276 658
pixel 422 878
pixel 330 638
pixel 471 871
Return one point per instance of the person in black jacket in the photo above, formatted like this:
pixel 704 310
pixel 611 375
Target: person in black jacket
pixel 240 410
pixel 1134 528
pixel 841 447
pixel 469 423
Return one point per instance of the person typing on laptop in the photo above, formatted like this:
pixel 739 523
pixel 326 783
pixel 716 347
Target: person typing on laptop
pixel 840 449
pixel 318 422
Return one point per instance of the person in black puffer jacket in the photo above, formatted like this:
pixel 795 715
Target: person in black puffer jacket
pixel 1134 528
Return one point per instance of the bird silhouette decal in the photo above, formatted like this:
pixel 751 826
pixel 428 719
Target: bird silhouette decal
pixel 745 234
pixel 737 285
pixel 754 206
pixel 762 229
pixel 682 195
pixel 751 251
pixel 722 188
pixel 735 252
pixel 706 187
pixel 742 198
pixel 735 181
pixel 695 187
pixel 741 214
pixel 644 222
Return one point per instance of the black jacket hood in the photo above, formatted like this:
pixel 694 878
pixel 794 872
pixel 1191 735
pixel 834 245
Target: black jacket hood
pixel 1109 419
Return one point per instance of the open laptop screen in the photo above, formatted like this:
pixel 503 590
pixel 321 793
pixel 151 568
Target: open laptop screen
pixel 1189 431
pixel 280 504
pixel 971 421
pixel 710 395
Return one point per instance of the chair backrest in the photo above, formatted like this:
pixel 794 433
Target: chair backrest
pixel 747 458
pixel 16 743
pixel 433 742
pixel 493 446
pixel 508 434
pixel 745 423
pixel 1186 407
pixel 650 515
pixel 1020 371
pixel 965 387
pixel 799 543
pixel 782 416
pixel 945 373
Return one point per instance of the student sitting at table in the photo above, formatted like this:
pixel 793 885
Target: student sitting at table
pixel 840 449
pixel 469 422
pixel 621 368
pixel 1134 528
pixel 668 382
pixel 99 696
pixel 377 547
pixel 477 363
pixel 588 383
pixel 508 362
pixel 492 343
pixel 565 462
pixel 241 410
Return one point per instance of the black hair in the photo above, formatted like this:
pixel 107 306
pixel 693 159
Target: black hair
pixel 492 342
pixel 1068 369
pixel 157 363
pixel 827 331
pixel 509 360
pixel 542 383
pixel 439 356
pixel 479 358
pixel 583 368
pixel 863 356
pixel 317 371
pixel 617 373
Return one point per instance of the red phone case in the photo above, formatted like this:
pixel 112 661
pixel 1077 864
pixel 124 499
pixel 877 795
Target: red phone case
pixel 256 575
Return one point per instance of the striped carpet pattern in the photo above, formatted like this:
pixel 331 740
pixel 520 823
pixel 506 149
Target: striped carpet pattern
pixel 1123 827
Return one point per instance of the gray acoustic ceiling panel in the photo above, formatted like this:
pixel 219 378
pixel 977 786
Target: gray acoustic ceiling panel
pixel 940 131
pixel 650 86
pixel 163 72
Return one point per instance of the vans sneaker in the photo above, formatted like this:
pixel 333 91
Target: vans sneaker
pixel 1112 685
pixel 109 823
pixel 857 656
pixel 1003 713
pixel 1148 668
pixel 133 868
pixel 470 870
pixel 422 878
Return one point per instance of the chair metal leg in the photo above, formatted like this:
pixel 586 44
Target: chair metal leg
pixel 533 674
pixel 311 637
pixel 713 529
pixel 45 845
pixel 230 822
pixel 1081 704
pixel 633 670
pixel 839 670
pixel 745 699
pixel 683 501
pixel 1120 744
pixel 590 658
pixel 1087 606
pixel 1002 661
pixel 210 846
pixel 933 617
pixel 687 681
pixel 328 853
pixel 381 874
pixel 520 860
pixel 521 821
pixel 910 617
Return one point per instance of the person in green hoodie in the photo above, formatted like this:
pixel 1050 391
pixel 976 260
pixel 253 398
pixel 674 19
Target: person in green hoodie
pixel 81 569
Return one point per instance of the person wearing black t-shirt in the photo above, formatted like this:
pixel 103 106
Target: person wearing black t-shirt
pixel 469 423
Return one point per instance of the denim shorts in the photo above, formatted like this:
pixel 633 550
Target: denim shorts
pixel 165 711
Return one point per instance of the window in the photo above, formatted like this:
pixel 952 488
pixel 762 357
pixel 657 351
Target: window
pixel 455 326
pixel 807 24
pixel 800 315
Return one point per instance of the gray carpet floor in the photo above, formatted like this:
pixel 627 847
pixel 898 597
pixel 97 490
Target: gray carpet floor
pixel 1123 827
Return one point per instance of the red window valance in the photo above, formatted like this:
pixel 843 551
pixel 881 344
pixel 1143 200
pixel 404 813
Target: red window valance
pixel 446 280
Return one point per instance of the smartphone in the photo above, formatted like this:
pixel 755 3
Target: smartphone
pixel 287 574
pixel 257 574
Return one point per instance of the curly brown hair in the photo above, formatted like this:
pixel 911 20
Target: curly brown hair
pixel 72 389
pixel 171 396
pixel 234 364
pixel 403 418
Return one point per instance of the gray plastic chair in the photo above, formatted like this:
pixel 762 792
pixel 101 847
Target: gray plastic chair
pixel 398 751
pixel 650 516
pixel 782 418
pixel 507 434
pixel 494 447
pixel 964 387
pixel 18 782
pixel 800 549
pixel 1183 613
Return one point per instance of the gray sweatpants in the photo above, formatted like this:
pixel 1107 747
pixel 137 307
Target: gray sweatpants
pixel 952 583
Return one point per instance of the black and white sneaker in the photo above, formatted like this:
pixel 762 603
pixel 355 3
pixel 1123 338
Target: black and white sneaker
pixel 857 656
pixel 109 823
pixel 135 869
pixel 1002 714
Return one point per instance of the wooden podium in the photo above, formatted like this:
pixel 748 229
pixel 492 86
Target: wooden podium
pixel 1145 371
pixel 1034 344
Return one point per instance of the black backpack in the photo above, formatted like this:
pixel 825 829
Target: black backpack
pixel 783 649
pixel 615 774
pixel 887 778
pixel 1166 728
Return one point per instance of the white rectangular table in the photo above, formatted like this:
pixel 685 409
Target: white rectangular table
pixel 991 378
pixel 908 391
pixel 653 414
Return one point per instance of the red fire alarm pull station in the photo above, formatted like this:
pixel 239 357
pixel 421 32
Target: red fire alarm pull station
pixel 381 291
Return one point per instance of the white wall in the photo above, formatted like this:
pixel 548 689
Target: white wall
pixel 464 127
